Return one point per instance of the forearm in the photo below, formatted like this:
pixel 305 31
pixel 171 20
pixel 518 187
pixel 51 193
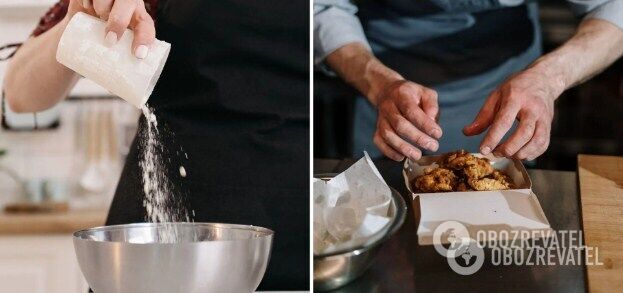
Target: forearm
pixel 340 42
pixel 357 66
pixel 595 46
pixel 34 80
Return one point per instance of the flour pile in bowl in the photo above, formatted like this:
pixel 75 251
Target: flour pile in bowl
pixel 159 202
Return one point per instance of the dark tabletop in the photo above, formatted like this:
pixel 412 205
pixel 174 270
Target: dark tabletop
pixel 404 266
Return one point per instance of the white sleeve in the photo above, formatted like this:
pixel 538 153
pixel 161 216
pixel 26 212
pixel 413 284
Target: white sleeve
pixel 335 25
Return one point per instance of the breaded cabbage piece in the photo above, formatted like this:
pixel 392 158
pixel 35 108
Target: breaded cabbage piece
pixel 483 184
pixel 436 180
pixel 473 167
pixel 478 168
pixel 461 171
pixel 462 186
pixel 449 157
pixel 503 178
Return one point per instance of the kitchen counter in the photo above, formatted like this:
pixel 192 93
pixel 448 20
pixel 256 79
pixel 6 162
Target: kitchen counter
pixel 51 223
pixel 402 265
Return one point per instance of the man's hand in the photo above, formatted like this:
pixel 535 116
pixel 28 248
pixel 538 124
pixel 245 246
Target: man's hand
pixel 528 97
pixel 407 111
pixel 406 120
pixel 119 15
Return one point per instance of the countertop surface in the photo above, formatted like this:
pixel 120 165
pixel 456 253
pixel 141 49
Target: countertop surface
pixel 601 189
pixel 404 266
pixel 51 223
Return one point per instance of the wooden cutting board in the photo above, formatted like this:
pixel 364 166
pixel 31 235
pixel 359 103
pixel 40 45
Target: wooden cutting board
pixel 601 195
pixel 50 223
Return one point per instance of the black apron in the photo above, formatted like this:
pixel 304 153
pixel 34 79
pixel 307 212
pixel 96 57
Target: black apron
pixel 234 97
pixel 492 34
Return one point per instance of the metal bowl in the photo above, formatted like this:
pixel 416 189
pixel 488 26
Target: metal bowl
pixel 336 269
pixel 206 257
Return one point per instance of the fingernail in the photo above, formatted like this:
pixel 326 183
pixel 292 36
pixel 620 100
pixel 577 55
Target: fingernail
pixel 436 133
pixel 485 150
pixel 86 3
pixel 111 39
pixel 434 146
pixel 141 52
pixel 431 145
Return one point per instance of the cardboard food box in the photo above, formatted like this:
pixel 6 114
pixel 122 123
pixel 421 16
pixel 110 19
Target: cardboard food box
pixel 511 210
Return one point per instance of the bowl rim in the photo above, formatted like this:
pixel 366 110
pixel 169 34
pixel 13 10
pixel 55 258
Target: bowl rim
pixel 394 225
pixel 265 232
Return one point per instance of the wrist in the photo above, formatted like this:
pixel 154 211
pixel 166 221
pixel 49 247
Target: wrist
pixel 553 73
pixel 359 68
pixel 379 77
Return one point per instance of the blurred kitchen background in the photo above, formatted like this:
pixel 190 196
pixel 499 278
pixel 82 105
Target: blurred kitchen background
pixel 588 118
pixel 58 171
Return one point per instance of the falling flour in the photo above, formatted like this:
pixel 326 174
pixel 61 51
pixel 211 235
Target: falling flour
pixel 159 202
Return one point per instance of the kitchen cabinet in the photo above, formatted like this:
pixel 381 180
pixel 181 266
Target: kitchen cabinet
pixel 39 264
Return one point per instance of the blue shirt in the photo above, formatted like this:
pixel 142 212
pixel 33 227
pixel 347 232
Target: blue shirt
pixel 336 23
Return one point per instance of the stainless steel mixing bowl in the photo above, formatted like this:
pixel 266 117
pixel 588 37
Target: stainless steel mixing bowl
pixel 207 257
pixel 336 269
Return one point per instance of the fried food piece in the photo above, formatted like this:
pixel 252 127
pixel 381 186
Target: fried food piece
pixel 503 178
pixel 436 180
pixel 478 168
pixel 449 157
pixel 473 167
pixel 483 184
pixel 462 171
pixel 462 186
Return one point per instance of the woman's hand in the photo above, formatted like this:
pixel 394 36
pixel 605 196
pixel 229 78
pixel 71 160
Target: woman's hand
pixel 528 97
pixel 406 122
pixel 119 15
pixel 35 61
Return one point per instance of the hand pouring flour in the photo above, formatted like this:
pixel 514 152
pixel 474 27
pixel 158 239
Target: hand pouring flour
pixel 82 48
